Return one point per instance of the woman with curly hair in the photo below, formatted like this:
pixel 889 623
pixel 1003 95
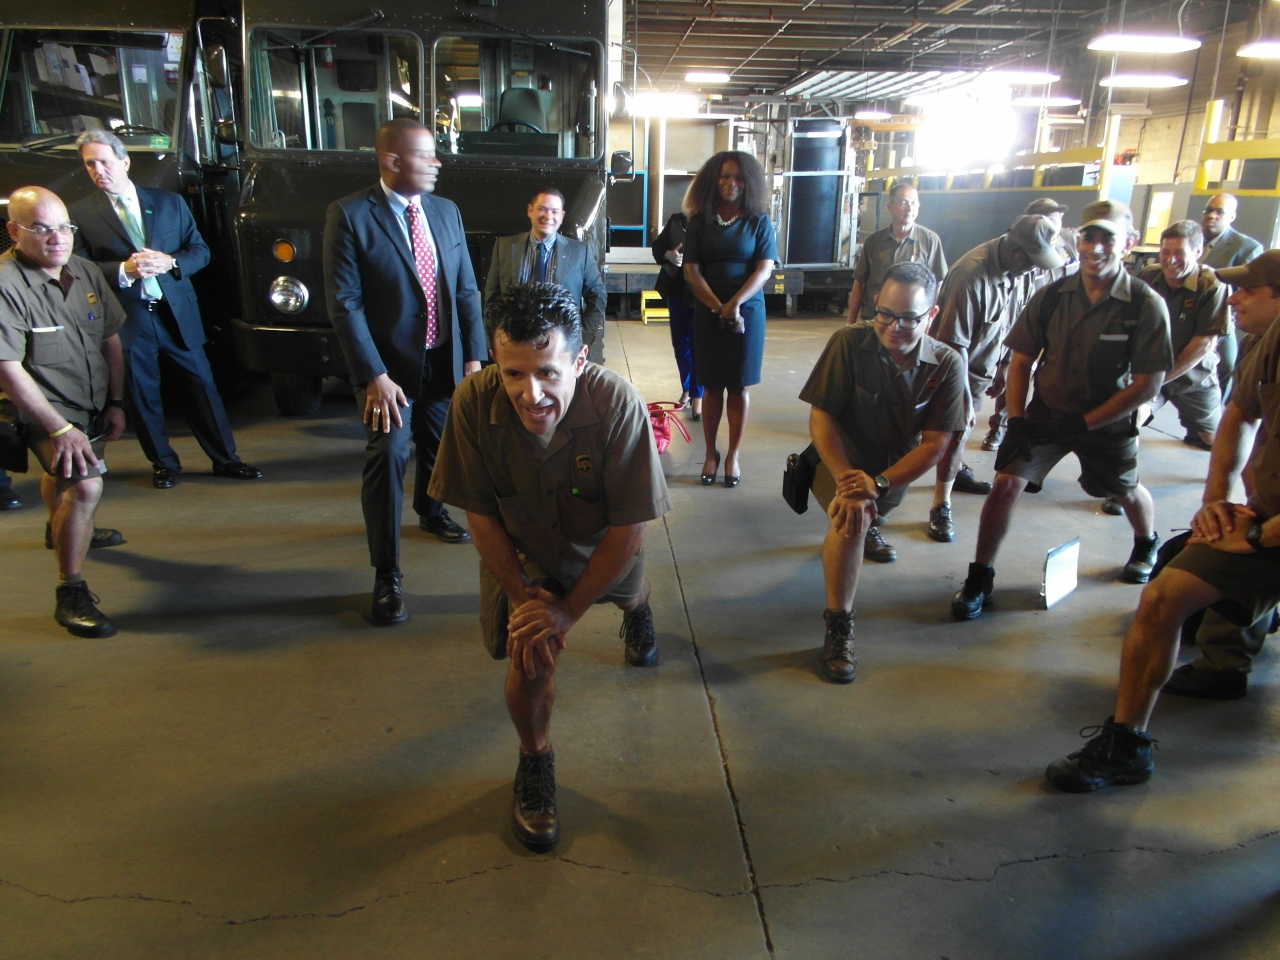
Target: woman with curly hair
pixel 729 250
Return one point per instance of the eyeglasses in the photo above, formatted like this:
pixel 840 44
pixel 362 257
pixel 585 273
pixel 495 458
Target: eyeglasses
pixel 906 322
pixel 41 231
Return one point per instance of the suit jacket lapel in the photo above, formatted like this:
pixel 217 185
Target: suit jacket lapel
pixel 388 221
pixel 562 261
pixel 515 262
pixel 148 215
pixel 107 211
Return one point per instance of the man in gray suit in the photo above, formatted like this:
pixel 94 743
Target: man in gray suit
pixel 543 256
pixel 403 300
pixel 1225 247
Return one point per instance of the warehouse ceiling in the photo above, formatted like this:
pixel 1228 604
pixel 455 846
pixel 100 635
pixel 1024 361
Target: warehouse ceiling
pixel 838 48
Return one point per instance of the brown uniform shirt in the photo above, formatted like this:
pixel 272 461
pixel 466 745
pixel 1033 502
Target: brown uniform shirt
pixel 881 251
pixel 1257 395
pixel 600 470
pixel 881 410
pixel 56 329
pixel 1197 308
pixel 1088 352
pixel 977 305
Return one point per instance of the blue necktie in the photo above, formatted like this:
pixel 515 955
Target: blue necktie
pixel 544 260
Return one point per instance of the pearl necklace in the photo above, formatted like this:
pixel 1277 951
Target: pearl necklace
pixel 731 220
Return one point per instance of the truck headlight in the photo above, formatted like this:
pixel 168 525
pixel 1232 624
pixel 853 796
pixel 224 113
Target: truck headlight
pixel 288 295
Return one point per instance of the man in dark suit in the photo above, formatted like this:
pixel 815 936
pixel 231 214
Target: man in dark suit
pixel 1225 246
pixel 543 256
pixel 403 300
pixel 146 243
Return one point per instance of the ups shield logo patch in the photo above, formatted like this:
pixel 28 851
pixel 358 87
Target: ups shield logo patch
pixel 584 463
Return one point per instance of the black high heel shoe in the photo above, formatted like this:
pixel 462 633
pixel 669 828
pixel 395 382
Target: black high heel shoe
pixel 709 478
pixel 729 481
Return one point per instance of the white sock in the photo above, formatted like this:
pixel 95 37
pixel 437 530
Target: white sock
pixel 942 492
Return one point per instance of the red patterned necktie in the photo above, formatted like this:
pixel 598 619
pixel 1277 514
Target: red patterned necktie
pixel 425 261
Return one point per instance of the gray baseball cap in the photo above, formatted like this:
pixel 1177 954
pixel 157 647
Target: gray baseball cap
pixel 1037 237
pixel 1045 206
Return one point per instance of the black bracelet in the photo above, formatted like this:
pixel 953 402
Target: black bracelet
pixel 115 403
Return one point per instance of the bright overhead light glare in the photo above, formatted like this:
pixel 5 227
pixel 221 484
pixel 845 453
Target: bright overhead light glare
pixel 1023 78
pixel 707 76
pixel 1261 49
pixel 664 105
pixel 1142 81
pixel 1065 121
pixel 1143 43
pixel 1044 102
pixel 470 100
pixel 872 114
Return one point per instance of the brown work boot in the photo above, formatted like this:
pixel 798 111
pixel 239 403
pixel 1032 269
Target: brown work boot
pixel 533 806
pixel 838 660
pixel 875 549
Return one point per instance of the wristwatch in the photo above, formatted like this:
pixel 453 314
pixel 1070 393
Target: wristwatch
pixel 1253 536
pixel 882 485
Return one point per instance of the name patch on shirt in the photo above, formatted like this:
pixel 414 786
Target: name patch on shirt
pixel 584 463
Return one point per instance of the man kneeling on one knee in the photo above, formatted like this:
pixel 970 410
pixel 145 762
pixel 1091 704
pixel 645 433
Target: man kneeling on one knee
pixel 1231 562
pixel 553 459
pixel 886 401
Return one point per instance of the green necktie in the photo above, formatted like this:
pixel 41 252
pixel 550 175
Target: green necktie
pixel 150 285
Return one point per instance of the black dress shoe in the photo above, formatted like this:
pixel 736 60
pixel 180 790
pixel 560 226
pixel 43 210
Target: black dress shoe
pixel 976 592
pixel 641 645
pixel 1207 684
pixel 162 478
pixel 8 499
pixel 966 482
pixel 388 600
pixel 533 807
pixel 102 537
pixel 445 528
pixel 941 526
pixel 77 610
pixel 237 471
pixel 1142 560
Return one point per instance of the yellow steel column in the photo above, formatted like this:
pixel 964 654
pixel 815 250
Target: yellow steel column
pixel 1212 117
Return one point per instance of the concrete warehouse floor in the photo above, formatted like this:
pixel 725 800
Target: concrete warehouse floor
pixel 250 770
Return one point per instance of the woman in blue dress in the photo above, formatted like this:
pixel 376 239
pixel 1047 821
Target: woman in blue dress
pixel 729 251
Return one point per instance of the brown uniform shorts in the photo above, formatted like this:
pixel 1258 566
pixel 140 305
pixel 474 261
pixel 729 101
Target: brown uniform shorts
pixel 38 442
pixel 1250 581
pixel 495 609
pixel 1108 463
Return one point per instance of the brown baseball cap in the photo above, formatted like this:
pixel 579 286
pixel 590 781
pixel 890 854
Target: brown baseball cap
pixel 1045 206
pixel 1037 237
pixel 1262 269
pixel 1111 215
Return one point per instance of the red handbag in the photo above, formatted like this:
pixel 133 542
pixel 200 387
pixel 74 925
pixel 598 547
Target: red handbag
pixel 661 416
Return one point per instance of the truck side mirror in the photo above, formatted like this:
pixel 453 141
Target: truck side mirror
pixel 216 66
pixel 226 132
pixel 620 163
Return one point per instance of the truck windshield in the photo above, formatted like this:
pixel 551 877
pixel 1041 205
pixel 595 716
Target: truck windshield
pixel 516 97
pixel 330 90
pixel 59 83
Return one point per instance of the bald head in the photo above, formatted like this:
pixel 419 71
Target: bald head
pixel 39 227
pixel 1219 213
pixel 407 157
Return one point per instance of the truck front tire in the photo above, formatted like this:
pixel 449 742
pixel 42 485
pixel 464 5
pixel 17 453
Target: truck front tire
pixel 297 395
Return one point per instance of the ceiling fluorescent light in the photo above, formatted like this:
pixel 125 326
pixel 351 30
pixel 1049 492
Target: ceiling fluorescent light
pixel 664 105
pixel 470 100
pixel 707 76
pixel 1143 43
pixel 1261 49
pixel 1142 81
pixel 1065 121
pixel 1045 102
pixel 1023 78
pixel 870 113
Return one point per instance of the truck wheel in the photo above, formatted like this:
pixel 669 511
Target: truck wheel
pixel 296 395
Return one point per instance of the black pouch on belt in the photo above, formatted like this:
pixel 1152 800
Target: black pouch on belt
pixel 797 478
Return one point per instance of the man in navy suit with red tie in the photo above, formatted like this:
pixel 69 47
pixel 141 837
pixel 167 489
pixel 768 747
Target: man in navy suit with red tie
pixel 146 243
pixel 403 300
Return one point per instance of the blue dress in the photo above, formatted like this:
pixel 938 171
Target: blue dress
pixel 727 256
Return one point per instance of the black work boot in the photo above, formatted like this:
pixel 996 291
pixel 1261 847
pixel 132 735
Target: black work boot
pixel 1118 755
pixel 1207 683
pixel 102 537
pixel 640 645
pixel 1141 560
pixel 876 548
pixel 77 610
pixel 838 660
pixel 533 807
pixel 966 482
pixel 976 592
